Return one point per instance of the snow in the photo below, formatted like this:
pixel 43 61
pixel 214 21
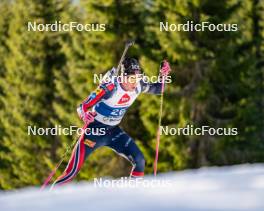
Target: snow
pixel 231 188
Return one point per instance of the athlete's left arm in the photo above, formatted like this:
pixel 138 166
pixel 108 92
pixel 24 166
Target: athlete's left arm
pixel 156 88
pixel 151 88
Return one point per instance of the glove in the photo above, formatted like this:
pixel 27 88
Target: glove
pixel 165 68
pixel 87 117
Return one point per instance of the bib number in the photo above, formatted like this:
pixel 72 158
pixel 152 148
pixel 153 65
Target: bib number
pixel 118 112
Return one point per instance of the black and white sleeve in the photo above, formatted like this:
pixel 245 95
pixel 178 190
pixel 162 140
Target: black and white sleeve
pixel 151 88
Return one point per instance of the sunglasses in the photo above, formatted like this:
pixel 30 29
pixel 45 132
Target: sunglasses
pixel 133 78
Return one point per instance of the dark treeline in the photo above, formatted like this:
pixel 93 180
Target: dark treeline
pixel 218 80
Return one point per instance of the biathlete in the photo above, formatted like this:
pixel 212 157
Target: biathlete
pixel 105 109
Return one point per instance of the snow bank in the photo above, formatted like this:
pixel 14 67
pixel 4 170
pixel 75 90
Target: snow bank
pixel 220 188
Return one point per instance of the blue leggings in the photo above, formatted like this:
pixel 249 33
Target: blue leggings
pixel 115 138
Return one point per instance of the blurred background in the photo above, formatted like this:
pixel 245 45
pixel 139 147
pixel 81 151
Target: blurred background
pixel 218 80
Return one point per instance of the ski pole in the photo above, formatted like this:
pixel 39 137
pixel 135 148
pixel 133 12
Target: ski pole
pixel 47 180
pixel 158 131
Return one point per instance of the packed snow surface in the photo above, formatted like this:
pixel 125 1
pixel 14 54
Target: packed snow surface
pixel 231 188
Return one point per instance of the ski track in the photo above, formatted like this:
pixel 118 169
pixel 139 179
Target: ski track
pixel 239 187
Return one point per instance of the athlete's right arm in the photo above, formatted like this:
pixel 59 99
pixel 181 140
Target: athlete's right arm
pixel 103 91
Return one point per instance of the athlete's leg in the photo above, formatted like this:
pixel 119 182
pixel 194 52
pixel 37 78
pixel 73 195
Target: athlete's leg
pixel 125 146
pixel 75 163
pixel 83 148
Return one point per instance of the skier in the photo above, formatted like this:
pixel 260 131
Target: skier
pixel 108 105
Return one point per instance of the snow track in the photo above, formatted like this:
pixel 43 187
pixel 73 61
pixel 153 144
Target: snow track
pixel 231 188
